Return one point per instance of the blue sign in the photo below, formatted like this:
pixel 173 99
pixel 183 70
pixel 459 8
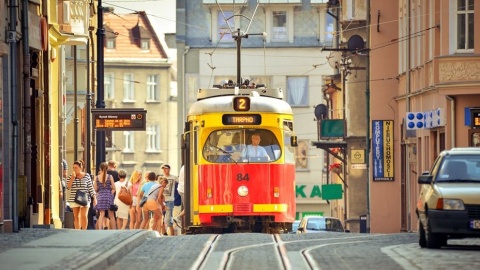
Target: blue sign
pixel 382 147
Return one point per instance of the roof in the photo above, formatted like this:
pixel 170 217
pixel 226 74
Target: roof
pixel 462 151
pixel 128 31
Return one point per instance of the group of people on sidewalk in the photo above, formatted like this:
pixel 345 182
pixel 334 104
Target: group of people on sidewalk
pixel 162 210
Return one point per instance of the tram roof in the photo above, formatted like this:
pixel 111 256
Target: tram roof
pixel 224 104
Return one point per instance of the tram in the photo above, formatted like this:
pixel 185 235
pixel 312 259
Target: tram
pixel 228 187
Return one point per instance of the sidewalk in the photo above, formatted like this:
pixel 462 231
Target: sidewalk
pixel 74 249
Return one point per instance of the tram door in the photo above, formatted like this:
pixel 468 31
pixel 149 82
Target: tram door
pixel 474 137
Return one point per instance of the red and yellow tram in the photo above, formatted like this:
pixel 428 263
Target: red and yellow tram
pixel 230 187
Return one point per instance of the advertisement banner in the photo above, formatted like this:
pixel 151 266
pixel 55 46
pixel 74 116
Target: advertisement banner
pixel 382 150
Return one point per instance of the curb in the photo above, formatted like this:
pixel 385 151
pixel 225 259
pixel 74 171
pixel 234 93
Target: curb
pixel 106 252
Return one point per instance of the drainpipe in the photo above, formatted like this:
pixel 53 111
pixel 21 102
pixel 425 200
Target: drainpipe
pixel 75 104
pixel 452 116
pixel 12 6
pixel 367 113
pixel 27 100
pixel 88 124
pixel 185 95
pixel 407 104
pixel 92 83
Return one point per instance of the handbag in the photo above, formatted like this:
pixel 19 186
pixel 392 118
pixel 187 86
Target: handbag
pixel 113 207
pixel 125 196
pixel 145 198
pixel 143 201
pixel 81 197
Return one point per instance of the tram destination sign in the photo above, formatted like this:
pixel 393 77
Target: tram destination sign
pixel 120 119
pixel 241 119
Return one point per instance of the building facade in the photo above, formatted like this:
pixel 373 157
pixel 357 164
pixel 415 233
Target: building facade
pixel 138 74
pixel 283 49
pixel 33 105
pixel 427 91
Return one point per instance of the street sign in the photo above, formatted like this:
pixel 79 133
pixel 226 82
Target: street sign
pixel 120 119
pixel 358 166
pixel 357 156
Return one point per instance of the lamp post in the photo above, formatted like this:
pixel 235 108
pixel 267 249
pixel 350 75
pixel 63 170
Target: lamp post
pixel 100 135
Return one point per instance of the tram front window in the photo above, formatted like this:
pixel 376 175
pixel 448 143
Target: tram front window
pixel 241 145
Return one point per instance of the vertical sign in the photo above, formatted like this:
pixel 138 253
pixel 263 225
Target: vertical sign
pixel 382 146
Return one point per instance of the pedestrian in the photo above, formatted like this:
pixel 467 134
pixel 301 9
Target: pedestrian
pixel 151 190
pixel 135 210
pixel 64 178
pixel 169 195
pixel 112 170
pixel 123 209
pixel 143 181
pixel 105 188
pixel 177 208
pixel 179 219
pixel 80 180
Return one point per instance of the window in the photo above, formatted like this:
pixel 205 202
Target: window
pixel 279 26
pixel 110 43
pixel 129 141
pixel 330 29
pixel 152 88
pixel 128 87
pixel 465 24
pixel 301 155
pixel 108 81
pixel 297 91
pixel 145 44
pixel 153 138
pixel 225 22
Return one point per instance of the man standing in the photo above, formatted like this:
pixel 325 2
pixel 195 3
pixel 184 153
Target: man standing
pixel 169 197
pixel 112 170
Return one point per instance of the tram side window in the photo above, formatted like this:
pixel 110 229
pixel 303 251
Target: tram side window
pixel 241 145
pixel 289 150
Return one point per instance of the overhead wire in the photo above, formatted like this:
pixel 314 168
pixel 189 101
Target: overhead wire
pixel 375 47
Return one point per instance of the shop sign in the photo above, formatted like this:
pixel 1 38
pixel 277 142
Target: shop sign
pixel 308 191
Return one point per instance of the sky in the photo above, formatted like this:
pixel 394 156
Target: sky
pixel 163 11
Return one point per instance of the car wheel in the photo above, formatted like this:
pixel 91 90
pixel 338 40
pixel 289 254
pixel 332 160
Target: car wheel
pixel 433 240
pixel 422 239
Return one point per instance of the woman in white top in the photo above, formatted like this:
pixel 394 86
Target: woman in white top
pixel 123 209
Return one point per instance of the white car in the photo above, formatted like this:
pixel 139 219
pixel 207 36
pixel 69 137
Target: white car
pixel 295 226
pixel 318 224
pixel 449 202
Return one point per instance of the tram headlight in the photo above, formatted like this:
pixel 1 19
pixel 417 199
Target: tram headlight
pixel 242 191
pixel 276 192
pixel 209 193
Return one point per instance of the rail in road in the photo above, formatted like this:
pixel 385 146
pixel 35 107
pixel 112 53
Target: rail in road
pixel 291 251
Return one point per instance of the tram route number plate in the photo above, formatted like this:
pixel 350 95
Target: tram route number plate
pixel 475 224
pixel 119 119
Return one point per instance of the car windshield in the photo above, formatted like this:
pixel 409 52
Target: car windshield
pixel 459 168
pixel 324 224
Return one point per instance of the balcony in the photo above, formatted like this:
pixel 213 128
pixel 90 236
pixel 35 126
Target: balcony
pixel 73 16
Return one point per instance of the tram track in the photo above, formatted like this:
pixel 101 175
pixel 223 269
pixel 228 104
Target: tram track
pixel 210 258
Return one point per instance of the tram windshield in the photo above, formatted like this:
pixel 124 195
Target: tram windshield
pixel 241 145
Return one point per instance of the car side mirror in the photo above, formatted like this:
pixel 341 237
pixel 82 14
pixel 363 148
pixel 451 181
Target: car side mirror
pixel 425 179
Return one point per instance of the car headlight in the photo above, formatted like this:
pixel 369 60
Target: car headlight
pixel 242 191
pixel 450 204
